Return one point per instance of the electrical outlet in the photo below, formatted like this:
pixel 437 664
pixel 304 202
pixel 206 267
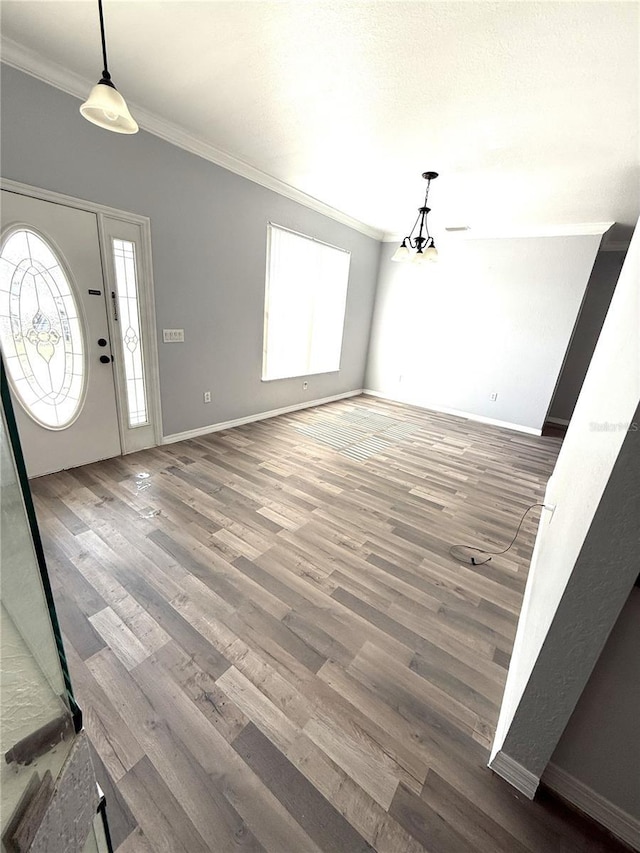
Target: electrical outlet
pixel 207 396
pixel 551 509
pixel 305 385
pixel 173 336
pixel 493 397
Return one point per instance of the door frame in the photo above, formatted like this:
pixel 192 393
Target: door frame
pixel 146 294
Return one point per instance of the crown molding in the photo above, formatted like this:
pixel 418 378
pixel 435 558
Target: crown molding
pixel 581 229
pixel 24 59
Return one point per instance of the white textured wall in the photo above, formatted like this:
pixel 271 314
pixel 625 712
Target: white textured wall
pixel 490 316
pixel 564 558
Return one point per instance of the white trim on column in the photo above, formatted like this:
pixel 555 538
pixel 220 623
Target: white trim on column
pixel 456 412
pixel 261 416
pixel 26 60
pixel 515 774
pixel 623 825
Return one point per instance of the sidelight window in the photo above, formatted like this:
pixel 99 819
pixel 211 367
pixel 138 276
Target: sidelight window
pixel 124 261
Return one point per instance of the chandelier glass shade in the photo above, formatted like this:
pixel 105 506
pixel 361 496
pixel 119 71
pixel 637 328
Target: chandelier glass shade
pixel 105 106
pixel 418 246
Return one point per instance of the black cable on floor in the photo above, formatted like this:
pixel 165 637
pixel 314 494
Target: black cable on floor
pixel 464 557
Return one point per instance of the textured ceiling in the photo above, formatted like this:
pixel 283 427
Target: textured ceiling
pixel 529 111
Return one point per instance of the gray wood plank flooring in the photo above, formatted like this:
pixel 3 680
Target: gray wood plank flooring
pixel 275 651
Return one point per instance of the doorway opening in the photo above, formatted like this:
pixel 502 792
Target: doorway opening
pixel 595 304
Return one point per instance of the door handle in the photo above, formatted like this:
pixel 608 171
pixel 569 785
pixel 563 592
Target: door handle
pixel 104 359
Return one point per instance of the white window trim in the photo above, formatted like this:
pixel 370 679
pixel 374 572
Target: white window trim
pixel 128 439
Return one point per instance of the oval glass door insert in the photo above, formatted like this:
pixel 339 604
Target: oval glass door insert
pixel 40 330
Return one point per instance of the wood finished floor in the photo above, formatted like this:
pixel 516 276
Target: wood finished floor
pixel 274 650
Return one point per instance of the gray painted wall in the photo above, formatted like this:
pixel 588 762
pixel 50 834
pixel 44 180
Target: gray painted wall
pixel 490 316
pixel 601 745
pixel 602 283
pixel 209 251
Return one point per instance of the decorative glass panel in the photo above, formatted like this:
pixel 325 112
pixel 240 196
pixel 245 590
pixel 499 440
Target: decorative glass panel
pixel 124 259
pixel 40 330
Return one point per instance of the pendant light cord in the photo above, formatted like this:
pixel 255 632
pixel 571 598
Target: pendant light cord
pixel 105 72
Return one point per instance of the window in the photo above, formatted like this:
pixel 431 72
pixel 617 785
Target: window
pixel 124 259
pixel 40 330
pixel 306 294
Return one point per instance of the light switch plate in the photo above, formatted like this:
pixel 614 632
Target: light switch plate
pixel 173 336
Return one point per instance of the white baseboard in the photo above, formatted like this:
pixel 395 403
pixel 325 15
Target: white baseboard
pixel 261 416
pixel 559 421
pixel 457 412
pixel 623 825
pixel 515 774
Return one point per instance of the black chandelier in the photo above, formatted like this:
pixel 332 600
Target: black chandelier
pixel 424 249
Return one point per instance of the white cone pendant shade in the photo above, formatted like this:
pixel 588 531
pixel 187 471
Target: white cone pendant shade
pixel 106 107
pixel 401 254
pixel 431 254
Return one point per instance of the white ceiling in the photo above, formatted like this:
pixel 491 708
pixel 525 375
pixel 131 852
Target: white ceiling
pixel 529 111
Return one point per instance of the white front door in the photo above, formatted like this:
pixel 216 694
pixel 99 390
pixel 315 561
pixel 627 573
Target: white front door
pixel 55 335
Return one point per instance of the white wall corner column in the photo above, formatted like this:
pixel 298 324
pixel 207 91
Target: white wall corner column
pixel 585 558
pixel 597 590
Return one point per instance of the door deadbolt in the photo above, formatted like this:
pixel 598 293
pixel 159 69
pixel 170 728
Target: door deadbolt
pixel 102 342
pixel 104 359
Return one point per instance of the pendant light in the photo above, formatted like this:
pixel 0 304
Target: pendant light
pixel 105 106
pixel 425 248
